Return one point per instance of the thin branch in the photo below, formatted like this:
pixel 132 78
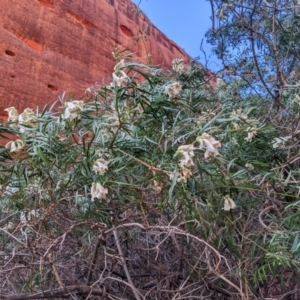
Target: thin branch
pixel 143 163
pixel 255 57
pixel 12 236
pixel 134 290
pixel 212 15
pixel 55 271
pixel 274 37
pixel 55 293
pixel 93 262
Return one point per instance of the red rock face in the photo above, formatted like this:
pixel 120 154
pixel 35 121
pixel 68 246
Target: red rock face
pixel 51 46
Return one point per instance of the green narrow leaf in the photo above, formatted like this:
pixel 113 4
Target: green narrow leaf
pixel 287 179
pixel 296 244
pixel 174 181
pixel 41 154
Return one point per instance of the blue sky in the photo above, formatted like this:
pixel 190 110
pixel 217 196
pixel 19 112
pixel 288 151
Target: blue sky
pixel 183 21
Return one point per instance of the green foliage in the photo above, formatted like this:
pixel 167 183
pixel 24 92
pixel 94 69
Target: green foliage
pixel 160 176
pixel 258 41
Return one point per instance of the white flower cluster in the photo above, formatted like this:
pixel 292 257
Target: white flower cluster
pixel 280 142
pixel 26 216
pixel 173 90
pixel 210 143
pixel 73 109
pixel 119 65
pixel 177 65
pixel 228 203
pixel 297 99
pixel 186 154
pixel 251 134
pixel 15 146
pixel 100 166
pixel 97 189
pixel 27 117
pixel 249 166
pixel 184 174
pixel 13 115
pixel 121 80
pixel 239 113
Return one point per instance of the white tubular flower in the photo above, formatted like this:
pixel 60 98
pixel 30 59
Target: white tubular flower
pixel 236 126
pixel 177 65
pixel 185 174
pixel 251 135
pixel 156 187
pixel 297 99
pixel 186 160
pixel 29 215
pixel 210 143
pixel 187 153
pixel 280 142
pixel 228 203
pixel 15 146
pixel 12 114
pixel 27 117
pixel 238 113
pixel 187 148
pixel 173 89
pixel 119 81
pixel 100 166
pixel 73 109
pixel 249 166
pixel 98 191
pixel 119 65
pixel 88 90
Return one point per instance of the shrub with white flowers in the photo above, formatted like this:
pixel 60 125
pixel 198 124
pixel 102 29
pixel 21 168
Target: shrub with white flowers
pixel 149 190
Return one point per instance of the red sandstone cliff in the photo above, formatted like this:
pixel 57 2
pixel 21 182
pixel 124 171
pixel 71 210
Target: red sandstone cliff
pixel 51 46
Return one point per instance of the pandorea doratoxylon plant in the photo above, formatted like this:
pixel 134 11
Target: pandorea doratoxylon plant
pixel 160 185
